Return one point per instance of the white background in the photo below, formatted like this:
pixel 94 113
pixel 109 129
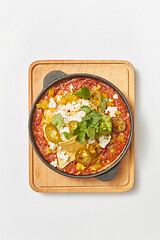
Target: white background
pixel 86 29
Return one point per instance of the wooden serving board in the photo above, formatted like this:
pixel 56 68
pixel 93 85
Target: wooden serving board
pixel 121 74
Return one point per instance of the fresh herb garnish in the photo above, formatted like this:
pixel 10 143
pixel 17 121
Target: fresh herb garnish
pixel 67 135
pixel 93 125
pixel 103 104
pixel 83 92
pixel 80 131
pixel 93 117
pixel 81 137
pixel 86 109
pixel 58 120
pixel 90 132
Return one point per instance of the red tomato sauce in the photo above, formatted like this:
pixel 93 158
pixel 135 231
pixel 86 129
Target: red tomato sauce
pixel 107 156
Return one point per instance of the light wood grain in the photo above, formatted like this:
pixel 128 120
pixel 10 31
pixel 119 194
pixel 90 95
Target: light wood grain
pixel 120 73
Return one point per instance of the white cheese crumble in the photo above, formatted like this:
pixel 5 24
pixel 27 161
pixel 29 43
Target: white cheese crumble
pixel 52 145
pixel 86 103
pixel 62 156
pixel 69 107
pixel 76 106
pixel 77 117
pixel 110 100
pixel 115 96
pixel 72 111
pixel 66 115
pixel 58 98
pixel 91 140
pixel 63 137
pixel 71 88
pixel 54 163
pixel 62 130
pixel 65 129
pixel 104 140
pixel 112 111
pixel 52 103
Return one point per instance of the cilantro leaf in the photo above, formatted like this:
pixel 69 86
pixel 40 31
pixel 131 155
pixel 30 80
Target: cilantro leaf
pixel 82 125
pixel 80 131
pixel 93 117
pixel 90 132
pixel 83 92
pixel 76 131
pixel 58 120
pixel 81 137
pixel 67 135
pixel 93 125
pixel 88 127
pixel 86 109
pixel 103 104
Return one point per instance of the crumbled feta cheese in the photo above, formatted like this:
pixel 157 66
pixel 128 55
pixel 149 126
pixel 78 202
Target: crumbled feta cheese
pixel 60 147
pixel 52 103
pixel 110 100
pixel 70 107
pixel 58 97
pixel 63 137
pixel 112 111
pixel 71 87
pixel 76 107
pixel 63 156
pixel 77 117
pixel 71 111
pixel 52 145
pixel 54 163
pixel 62 130
pixel 115 96
pixel 91 140
pixel 86 103
pixel 104 140
pixel 65 129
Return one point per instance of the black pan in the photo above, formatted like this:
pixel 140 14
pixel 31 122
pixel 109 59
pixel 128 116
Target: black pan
pixel 56 77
